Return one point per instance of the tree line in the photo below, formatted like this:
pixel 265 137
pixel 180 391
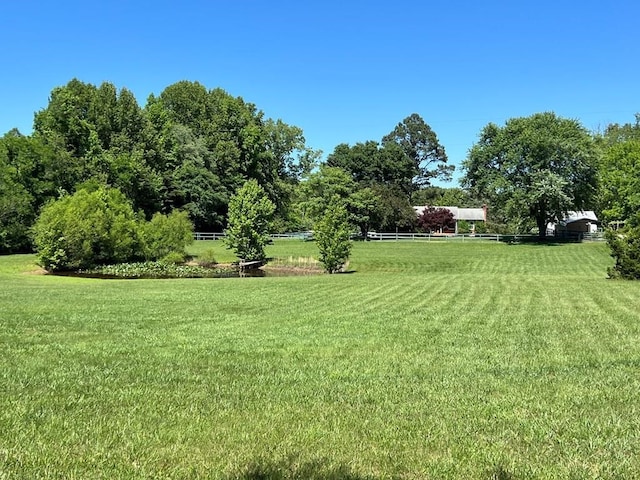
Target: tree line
pixel 191 148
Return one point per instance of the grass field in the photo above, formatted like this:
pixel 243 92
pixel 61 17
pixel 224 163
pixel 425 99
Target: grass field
pixel 430 360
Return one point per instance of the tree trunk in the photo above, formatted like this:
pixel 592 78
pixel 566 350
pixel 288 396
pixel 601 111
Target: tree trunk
pixel 542 227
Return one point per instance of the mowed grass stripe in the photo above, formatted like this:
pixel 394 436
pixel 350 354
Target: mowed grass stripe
pixel 436 370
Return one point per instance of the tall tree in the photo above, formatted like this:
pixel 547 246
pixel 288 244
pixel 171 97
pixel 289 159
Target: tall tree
pixel 619 176
pixel 534 168
pixel 321 188
pixel 27 181
pixel 419 144
pixel 362 160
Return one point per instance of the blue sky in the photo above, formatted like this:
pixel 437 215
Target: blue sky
pixel 343 71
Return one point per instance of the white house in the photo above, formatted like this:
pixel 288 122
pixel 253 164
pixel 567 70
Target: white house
pixel 584 221
pixel 471 215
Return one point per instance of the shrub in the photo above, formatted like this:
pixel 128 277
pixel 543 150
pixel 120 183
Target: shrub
pixel 87 229
pixel 176 258
pixel 159 270
pixel 166 234
pixel 332 234
pixel 481 227
pixel 625 248
pixel 464 227
pixel 207 258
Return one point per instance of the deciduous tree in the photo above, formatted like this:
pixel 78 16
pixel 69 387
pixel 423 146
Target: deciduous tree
pixel 434 219
pixel 250 215
pixel 332 234
pixel 534 168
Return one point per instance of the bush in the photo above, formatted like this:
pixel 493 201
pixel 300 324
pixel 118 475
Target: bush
pixel 99 227
pixel 166 234
pixel 625 248
pixel 481 227
pixel 332 234
pixel 464 227
pixel 207 258
pixel 87 229
pixel 159 270
pixel 175 258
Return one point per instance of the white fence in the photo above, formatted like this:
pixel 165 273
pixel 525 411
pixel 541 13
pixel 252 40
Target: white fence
pixel 221 235
pixel 428 237
pixel 207 236
pixel 440 237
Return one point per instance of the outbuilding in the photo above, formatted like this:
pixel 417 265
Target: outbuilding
pixel 575 223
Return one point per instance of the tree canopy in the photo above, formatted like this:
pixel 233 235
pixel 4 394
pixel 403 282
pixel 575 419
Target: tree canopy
pixel 190 148
pixel 534 168
pixel 407 158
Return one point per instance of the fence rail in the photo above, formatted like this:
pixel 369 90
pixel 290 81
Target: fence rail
pixel 429 237
pixel 221 235
pixel 440 237
pixel 207 236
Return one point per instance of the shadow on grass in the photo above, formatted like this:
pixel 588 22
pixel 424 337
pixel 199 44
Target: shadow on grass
pixel 297 470
pixel 323 469
pixel 535 240
pixel 499 473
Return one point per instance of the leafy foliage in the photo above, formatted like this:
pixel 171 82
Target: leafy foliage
pixel 419 146
pixel 159 269
pixel 333 237
pixel 189 148
pixel 165 234
pixel 87 229
pixel 434 219
pixel 324 186
pixel 408 157
pixel 625 249
pixel 99 227
pixel 26 183
pixel 534 168
pixel 396 212
pixel 443 197
pixel 250 213
pixel 620 181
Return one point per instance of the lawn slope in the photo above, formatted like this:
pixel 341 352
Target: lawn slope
pixel 430 360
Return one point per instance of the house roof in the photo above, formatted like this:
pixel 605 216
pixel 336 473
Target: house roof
pixel 470 214
pixel 580 216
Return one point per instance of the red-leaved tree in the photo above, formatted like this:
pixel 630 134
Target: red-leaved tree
pixel 435 219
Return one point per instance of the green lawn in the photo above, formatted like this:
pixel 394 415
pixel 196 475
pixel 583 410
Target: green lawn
pixel 431 360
